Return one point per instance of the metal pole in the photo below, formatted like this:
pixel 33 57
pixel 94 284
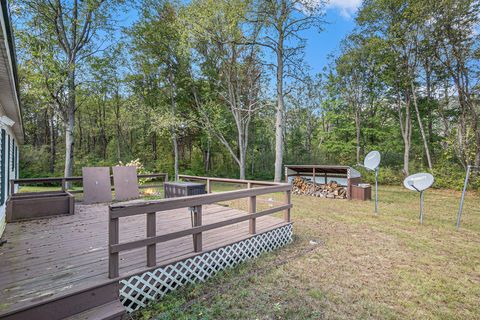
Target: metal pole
pixel 421 207
pixel 376 189
pixel 459 216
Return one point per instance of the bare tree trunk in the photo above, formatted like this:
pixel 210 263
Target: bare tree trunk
pixel 175 153
pixel 243 153
pixel 357 129
pixel 117 124
pixel 70 125
pixel 406 129
pixel 279 113
pixel 172 130
pixel 207 157
pixel 253 152
pixel 420 124
pixel 53 142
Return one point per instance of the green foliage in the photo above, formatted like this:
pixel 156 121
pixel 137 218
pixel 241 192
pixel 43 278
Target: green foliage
pixel 34 161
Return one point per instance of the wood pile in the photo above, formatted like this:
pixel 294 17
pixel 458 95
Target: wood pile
pixel 330 190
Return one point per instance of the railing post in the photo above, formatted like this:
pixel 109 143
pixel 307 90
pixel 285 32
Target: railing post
pixel 252 208
pixel 64 187
pixel 209 186
pixel 12 187
pixel 286 215
pixel 166 177
pixel 151 232
pixel 197 222
pixel 113 238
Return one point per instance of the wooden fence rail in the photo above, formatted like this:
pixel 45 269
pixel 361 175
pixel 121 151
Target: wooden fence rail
pixel 64 180
pixel 151 208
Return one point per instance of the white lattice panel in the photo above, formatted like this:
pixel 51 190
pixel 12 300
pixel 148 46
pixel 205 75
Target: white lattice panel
pixel 136 291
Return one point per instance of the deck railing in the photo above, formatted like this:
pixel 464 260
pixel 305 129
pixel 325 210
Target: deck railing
pixel 154 207
pixel 63 181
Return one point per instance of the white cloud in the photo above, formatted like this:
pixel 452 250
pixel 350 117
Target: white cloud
pixel 347 8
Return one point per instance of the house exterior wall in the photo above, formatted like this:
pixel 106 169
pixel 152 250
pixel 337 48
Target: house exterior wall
pixel 8 168
pixel 11 127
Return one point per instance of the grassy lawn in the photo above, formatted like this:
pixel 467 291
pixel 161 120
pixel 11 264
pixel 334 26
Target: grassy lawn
pixel 347 263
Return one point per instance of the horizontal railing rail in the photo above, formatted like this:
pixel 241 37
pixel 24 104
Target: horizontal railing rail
pixel 64 180
pixel 209 180
pixel 152 207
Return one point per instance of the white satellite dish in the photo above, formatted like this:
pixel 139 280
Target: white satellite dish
pixel 419 182
pixel 372 160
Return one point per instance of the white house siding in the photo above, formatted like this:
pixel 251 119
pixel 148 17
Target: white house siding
pixel 10 169
pixel 9 108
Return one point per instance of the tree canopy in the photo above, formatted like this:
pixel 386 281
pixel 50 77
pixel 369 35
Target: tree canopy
pixel 223 88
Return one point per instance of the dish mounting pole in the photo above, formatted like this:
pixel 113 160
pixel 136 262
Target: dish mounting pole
pixel 460 210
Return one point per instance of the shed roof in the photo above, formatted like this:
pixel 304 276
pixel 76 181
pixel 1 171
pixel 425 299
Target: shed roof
pixel 319 168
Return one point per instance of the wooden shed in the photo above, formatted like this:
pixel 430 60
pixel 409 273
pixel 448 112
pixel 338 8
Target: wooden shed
pixel 343 175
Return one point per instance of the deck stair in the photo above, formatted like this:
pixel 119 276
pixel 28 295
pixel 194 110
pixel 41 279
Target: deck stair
pixel 98 303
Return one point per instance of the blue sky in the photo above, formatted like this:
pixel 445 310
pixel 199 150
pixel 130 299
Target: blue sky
pixel 321 44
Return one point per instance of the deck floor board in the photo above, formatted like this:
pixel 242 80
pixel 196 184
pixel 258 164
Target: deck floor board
pixel 49 258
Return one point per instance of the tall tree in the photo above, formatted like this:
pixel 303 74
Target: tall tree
pixel 159 48
pixel 282 23
pixel 71 29
pixel 235 68
pixel 455 30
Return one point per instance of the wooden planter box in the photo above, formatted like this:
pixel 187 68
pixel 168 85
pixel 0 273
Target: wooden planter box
pixel 361 193
pixel 35 205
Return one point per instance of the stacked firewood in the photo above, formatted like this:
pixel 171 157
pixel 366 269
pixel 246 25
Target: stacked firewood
pixel 330 190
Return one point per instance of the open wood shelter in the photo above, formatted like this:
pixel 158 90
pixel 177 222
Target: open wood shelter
pixel 322 174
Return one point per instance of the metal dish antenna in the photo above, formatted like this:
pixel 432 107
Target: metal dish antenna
pixel 419 182
pixel 372 163
pixel 372 160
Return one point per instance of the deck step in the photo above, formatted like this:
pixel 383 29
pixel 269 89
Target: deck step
pixel 110 311
pixel 75 303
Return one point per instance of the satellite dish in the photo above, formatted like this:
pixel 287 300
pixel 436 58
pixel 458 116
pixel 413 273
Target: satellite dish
pixel 372 160
pixel 419 181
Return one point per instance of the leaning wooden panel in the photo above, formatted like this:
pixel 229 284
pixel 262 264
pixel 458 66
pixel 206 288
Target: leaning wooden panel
pixel 125 182
pixel 97 187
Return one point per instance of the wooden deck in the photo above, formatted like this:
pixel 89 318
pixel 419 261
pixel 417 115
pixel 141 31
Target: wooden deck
pixel 50 258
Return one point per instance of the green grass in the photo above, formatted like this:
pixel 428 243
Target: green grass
pixel 362 266
pixel 38 189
